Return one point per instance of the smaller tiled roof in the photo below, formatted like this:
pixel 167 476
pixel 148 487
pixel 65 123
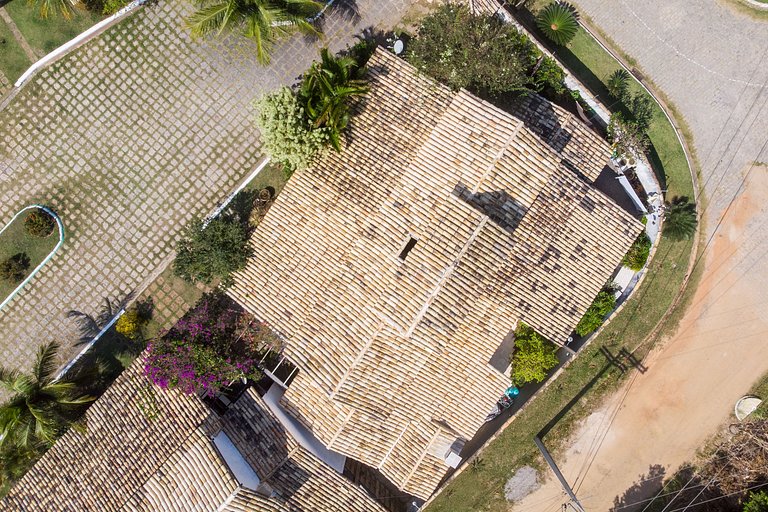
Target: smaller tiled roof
pixel 148 450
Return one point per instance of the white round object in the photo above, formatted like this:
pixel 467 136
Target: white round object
pixel 398 47
pixel 746 406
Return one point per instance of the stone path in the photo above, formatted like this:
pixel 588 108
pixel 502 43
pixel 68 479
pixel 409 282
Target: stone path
pixel 128 138
pixel 718 82
pixel 18 35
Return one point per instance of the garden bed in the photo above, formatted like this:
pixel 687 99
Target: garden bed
pixel 45 35
pixel 15 240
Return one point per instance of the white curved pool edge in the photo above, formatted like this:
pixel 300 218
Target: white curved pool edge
pixel 46 259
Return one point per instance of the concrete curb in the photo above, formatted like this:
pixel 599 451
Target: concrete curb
pixel 60 226
pixel 79 40
pixel 760 6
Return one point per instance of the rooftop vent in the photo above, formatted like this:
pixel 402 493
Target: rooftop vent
pixel 408 246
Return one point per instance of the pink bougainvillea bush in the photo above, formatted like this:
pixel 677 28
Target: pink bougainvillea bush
pixel 215 344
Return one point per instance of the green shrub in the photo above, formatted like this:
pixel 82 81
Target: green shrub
pixel 533 356
pixel 15 268
pixel 638 253
pixel 206 253
pixel 679 219
pixel 603 304
pixel 480 53
pixel 758 502
pixel 110 7
pixel 39 223
pixel 130 324
pixel 558 22
pixel 549 77
pixel 286 131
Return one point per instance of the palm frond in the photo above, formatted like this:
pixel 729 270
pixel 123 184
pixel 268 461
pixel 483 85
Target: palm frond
pixel 212 19
pixel 45 363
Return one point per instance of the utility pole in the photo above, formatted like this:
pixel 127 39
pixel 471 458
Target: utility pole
pixel 566 487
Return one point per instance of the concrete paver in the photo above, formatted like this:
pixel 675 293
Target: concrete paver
pixel 127 138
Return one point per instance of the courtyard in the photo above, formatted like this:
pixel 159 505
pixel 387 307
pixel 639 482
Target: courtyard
pixel 128 138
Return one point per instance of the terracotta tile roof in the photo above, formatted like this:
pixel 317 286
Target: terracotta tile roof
pixel 395 356
pixel 578 145
pixel 122 449
pixel 128 462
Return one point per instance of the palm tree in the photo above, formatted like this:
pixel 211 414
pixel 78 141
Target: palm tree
pixel 327 88
pixel 618 84
pixel 48 7
pixel 40 408
pixel 680 219
pixel 558 22
pixel 263 21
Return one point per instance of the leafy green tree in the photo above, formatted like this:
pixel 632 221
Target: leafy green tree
pixel 40 408
pixel 638 252
pixel 603 304
pixel 679 219
pixel 618 84
pixel 533 356
pixel 641 109
pixel 206 253
pixel 15 268
pixel 262 21
pixel 480 53
pixel 286 132
pixel 558 22
pixel 758 502
pixel 326 91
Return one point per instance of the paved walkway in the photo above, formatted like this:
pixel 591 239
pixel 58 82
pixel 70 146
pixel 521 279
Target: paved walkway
pixel 713 64
pixel 128 138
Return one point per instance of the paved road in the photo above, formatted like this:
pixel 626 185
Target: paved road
pixel 713 64
pixel 128 138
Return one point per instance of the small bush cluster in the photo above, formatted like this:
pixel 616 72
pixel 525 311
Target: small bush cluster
pixel 638 253
pixel 131 323
pixel 207 350
pixel 15 268
pixel 604 303
pixel 532 357
pixel 38 223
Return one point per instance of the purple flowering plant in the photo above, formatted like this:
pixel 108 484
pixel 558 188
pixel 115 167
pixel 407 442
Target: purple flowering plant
pixel 212 346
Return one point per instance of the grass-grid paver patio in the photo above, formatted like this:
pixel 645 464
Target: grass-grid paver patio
pixel 127 138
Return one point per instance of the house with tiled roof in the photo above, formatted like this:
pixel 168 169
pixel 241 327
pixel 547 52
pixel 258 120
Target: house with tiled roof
pixel 147 450
pixel 398 270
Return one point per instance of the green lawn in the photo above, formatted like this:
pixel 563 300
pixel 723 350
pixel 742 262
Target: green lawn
pixel 13 61
pixel 586 381
pixel 272 175
pixel 15 240
pixel 45 35
pixel 761 390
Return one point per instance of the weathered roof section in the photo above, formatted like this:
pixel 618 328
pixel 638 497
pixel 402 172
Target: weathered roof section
pixel 395 354
pixel 564 249
pixel 132 431
pixel 580 147
pixel 153 451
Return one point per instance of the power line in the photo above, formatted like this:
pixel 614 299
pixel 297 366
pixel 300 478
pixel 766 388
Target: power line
pixel 724 496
